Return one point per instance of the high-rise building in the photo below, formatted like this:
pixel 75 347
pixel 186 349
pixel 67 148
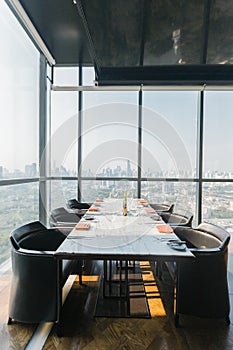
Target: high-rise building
pixel 129 171
pixel 30 170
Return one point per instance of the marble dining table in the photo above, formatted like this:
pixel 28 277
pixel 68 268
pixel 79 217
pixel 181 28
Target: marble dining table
pixel 105 233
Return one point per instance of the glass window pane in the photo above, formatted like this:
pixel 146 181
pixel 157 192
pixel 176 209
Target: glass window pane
pixel 169 134
pixel 110 134
pixel 88 76
pixel 218 141
pixel 19 99
pixel 64 133
pixel 61 191
pixel 66 76
pixel 19 205
pixel 217 204
pixel 107 189
pixel 182 194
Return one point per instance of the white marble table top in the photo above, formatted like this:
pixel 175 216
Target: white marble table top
pixel 114 236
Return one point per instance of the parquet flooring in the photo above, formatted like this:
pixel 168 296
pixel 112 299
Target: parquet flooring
pixel 81 331
pixel 15 336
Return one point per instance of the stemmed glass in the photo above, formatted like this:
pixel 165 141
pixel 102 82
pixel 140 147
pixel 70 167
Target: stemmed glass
pixel 140 210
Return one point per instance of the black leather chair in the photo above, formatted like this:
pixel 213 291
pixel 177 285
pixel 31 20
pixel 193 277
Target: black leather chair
pixel 74 204
pixel 202 284
pixel 161 208
pixel 61 218
pixel 175 219
pixel 37 279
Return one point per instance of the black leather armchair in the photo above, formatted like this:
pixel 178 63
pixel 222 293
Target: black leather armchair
pixel 202 286
pixel 61 218
pixel 37 277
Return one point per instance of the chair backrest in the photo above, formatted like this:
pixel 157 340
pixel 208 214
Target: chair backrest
pixel 74 204
pixel 205 236
pixel 21 232
pixel 36 236
pixel 216 231
pixel 163 207
pixel 61 215
pixel 59 211
pixel 177 219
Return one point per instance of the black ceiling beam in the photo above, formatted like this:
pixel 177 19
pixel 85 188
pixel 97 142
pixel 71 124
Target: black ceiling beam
pixel 142 46
pixel 91 47
pixel 167 75
pixel 205 31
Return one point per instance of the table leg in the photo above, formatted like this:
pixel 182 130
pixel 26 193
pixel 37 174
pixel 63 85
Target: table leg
pixel 176 296
pixel 105 278
pixel 127 288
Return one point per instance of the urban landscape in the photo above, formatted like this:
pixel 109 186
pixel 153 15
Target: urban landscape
pixel 217 205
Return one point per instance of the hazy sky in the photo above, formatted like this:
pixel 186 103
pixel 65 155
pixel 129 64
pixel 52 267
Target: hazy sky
pixel 110 118
pixel 19 94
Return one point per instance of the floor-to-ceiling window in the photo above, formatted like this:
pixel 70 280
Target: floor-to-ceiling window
pixel 169 147
pixel 164 131
pixel 217 194
pixel 169 151
pixel 63 140
pixel 19 132
pixel 109 142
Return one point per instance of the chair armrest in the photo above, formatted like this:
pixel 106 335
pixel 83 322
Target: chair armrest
pixel 205 250
pixel 65 224
pixel 77 211
pixel 178 226
pixel 47 254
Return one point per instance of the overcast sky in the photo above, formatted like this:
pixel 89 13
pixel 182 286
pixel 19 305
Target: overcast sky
pixel 110 118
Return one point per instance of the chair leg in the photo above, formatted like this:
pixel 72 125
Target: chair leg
pixel 9 320
pixel 159 269
pixel 176 320
pixel 58 330
pixel 80 278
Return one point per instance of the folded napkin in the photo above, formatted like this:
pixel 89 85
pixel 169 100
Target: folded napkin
pixel 142 201
pixel 93 209
pixel 99 200
pixel 82 226
pixel 150 211
pixel 164 228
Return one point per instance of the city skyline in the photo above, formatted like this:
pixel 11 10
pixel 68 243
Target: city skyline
pixel 31 170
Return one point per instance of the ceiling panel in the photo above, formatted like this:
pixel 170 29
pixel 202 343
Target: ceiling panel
pixel 173 32
pixel 116 30
pixel 220 40
pixel 131 40
pixel 60 26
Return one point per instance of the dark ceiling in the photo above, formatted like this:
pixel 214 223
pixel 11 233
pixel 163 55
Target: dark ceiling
pixel 140 41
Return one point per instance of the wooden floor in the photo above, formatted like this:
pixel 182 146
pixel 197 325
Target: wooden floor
pixel 81 330
pixel 16 336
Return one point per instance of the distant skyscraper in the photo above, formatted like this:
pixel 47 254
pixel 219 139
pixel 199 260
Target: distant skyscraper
pixel 129 171
pixel 1 172
pixel 30 170
pixel 168 187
